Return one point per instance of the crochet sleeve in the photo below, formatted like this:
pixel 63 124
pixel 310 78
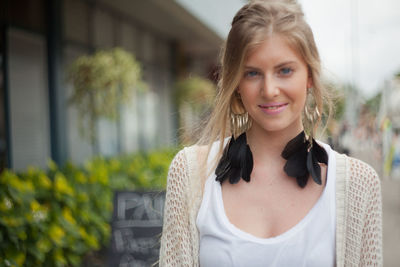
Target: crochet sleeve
pixel 175 240
pixel 371 241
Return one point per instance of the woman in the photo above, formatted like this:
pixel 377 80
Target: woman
pixel 270 195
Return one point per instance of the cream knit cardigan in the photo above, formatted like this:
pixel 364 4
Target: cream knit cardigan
pixel 358 211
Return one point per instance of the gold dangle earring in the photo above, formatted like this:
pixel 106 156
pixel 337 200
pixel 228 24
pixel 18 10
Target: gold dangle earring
pixel 240 121
pixel 313 116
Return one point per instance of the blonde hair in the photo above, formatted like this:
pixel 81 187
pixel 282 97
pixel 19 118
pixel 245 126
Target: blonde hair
pixel 252 24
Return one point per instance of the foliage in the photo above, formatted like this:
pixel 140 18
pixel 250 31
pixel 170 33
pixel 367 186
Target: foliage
pixel 373 104
pixel 338 94
pixel 339 105
pixel 194 97
pixel 141 171
pixel 53 218
pixel 198 92
pixel 101 83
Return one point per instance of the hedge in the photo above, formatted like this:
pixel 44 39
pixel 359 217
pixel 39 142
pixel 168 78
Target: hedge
pixel 55 217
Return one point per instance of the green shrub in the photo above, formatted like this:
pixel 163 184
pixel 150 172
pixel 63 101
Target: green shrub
pixel 53 218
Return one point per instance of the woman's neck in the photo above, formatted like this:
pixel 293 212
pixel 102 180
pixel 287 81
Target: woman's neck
pixel 266 145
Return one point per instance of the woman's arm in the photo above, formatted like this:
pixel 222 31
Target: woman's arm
pixel 371 250
pixel 176 238
pixel 364 216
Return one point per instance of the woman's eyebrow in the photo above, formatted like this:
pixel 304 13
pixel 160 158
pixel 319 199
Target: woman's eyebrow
pixel 285 63
pixel 251 68
pixel 276 67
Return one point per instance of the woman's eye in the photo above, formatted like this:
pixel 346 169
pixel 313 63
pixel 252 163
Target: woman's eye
pixel 251 73
pixel 285 71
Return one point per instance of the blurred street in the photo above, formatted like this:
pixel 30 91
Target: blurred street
pixel 391 222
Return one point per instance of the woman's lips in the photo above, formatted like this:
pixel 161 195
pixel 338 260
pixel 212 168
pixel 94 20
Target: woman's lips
pixel 273 108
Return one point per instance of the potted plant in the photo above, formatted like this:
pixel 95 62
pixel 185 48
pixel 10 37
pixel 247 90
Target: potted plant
pixel 102 82
pixel 194 97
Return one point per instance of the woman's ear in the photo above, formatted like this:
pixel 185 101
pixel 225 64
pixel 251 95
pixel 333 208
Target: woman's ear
pixel 309 78
pixel 309 82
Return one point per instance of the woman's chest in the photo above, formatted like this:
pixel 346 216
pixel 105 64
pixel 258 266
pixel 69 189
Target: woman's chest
pixel 241 229
pixel 268 209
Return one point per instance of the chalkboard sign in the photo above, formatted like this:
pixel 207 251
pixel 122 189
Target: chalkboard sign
pixel 136 228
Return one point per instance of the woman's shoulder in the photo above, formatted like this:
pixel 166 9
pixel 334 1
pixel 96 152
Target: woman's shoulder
pixel 197 153
pixel 195 160
pixel 363 173
pixel 360 174
pixel 188 154
pixel 187 158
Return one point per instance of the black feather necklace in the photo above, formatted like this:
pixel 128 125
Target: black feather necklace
pixel 303 158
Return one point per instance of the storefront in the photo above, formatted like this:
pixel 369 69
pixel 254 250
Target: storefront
pixel 40 38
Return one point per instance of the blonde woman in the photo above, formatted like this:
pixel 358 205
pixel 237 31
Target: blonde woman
pixel 258 189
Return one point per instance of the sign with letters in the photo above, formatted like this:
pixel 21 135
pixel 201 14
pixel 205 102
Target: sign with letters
pixel 136 228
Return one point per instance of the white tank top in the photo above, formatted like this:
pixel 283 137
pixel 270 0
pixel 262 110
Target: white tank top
pixel 309 243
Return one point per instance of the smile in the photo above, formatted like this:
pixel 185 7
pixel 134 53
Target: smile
pixel 273 109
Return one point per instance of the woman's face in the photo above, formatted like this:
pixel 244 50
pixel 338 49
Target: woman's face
pixel 274 86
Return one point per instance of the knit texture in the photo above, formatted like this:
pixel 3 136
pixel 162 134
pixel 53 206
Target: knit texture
pixel 358 213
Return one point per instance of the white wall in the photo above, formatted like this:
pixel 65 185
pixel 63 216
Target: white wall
pixel 79 148
pixel 28 98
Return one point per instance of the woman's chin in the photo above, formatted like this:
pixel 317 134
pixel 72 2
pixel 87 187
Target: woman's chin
pixel 278 126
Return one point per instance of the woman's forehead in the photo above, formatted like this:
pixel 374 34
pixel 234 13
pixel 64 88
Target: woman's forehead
pixel 272 48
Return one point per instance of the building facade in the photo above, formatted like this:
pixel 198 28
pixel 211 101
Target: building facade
pixel 40 39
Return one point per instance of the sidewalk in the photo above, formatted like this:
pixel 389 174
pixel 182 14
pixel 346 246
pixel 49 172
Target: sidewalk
pixel 391 222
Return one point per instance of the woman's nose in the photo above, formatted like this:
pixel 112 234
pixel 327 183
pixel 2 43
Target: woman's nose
pixel 269 88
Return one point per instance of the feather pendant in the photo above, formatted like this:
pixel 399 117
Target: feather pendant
pixel 247 164
pixel 302 180
pixel 295 165
pixel 303 159
pixel 296 144
pixel 236 161
pixel 319 153
pixel 313 167
pixel 234 175
pixel 224 164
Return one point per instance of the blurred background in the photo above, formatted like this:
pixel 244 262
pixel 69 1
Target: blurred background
pixel 98 95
